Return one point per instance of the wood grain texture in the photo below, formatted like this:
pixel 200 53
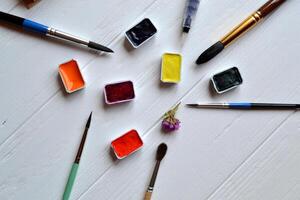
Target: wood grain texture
pixel 270 6
pixel 9 5
pixel 17 110
pixel 148 196
pixel 41 126
pixel 273 167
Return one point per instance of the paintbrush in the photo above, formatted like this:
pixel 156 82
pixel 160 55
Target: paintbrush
pixel 48 31
pixel 242 28
pixel 160 154
pixel 75 166
pixel 190 13
pixel 263 106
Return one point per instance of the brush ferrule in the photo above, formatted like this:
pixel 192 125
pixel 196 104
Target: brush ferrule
pixel 214 105
pixel 150 189
pixel 242 28
pixel 59 34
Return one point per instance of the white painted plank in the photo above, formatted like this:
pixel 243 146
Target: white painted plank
pixel 7 5
pixel 198 160
pixel 56 128
pixel 107 189
pixel 33 61
pixel 271 172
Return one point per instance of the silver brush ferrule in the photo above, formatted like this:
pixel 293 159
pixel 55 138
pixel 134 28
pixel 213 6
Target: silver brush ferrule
pixel 59 34
pixel 211 105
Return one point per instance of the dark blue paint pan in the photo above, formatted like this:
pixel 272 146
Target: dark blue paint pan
pixel 141 33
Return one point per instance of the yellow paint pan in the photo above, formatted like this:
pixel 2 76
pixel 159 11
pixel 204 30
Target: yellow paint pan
pixel 171 68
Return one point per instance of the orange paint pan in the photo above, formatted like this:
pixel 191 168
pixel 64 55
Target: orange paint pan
pixel 71 76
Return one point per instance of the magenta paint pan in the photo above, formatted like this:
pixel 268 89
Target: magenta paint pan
pixel 119 92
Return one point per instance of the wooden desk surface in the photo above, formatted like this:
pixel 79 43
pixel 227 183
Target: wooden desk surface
pixel 216 155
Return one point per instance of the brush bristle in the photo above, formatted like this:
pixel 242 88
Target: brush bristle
pixel 210 53
pixel 161 151
pixel 89 121
pixel 99 47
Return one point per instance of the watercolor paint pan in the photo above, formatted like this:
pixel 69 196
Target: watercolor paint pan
pixel 30 3
pixel 127 144
pixel 171 68
pixel 119 92
pixel 141 33
pixel 227 80
pixel 71 76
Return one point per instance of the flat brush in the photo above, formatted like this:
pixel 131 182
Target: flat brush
pixel 48 31
pixel 75 166
pixel 242 28
pixel 263 106
pixel 160 154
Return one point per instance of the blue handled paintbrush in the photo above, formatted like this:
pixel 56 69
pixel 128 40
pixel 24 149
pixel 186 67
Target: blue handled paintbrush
pixel 263 106
pixel 48 31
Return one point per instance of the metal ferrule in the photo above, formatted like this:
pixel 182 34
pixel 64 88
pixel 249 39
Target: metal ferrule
pixel 214 105
pixel 150 189
pixel 242 28
pixel 59 34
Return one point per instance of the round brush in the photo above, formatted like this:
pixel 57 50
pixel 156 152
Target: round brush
pixel 160 154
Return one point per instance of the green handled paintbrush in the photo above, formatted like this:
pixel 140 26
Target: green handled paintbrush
pixel 75 166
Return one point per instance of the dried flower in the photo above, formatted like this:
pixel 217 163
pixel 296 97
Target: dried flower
pixel 170 123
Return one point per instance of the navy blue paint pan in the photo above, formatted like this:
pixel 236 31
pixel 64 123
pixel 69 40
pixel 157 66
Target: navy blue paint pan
pixel 141 33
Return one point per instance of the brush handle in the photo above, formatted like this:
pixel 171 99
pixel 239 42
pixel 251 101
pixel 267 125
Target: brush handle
pixel 275 106
pixel 251 21
pixel 154 175
pixel 268 7
pixel 148 195
pixel 48 31
pixel 152 182
pixel 263 106
pixel 70 182
pixel 27 24
pixel 190 13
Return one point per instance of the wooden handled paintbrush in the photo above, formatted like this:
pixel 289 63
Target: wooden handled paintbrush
pixel 238 31
pixel 75 166
pixel 160 154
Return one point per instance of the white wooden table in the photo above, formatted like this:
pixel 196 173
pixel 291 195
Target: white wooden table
pixel 216 155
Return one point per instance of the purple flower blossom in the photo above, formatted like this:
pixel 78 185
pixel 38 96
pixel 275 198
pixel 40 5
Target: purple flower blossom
pixel 169 126
pixel 170 123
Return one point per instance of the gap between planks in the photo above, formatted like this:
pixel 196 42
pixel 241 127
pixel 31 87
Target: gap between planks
pixel 153 126
pixel 273 132
pixel 147 132
pixel 40 108
pixel 231 174
pixel 13 7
